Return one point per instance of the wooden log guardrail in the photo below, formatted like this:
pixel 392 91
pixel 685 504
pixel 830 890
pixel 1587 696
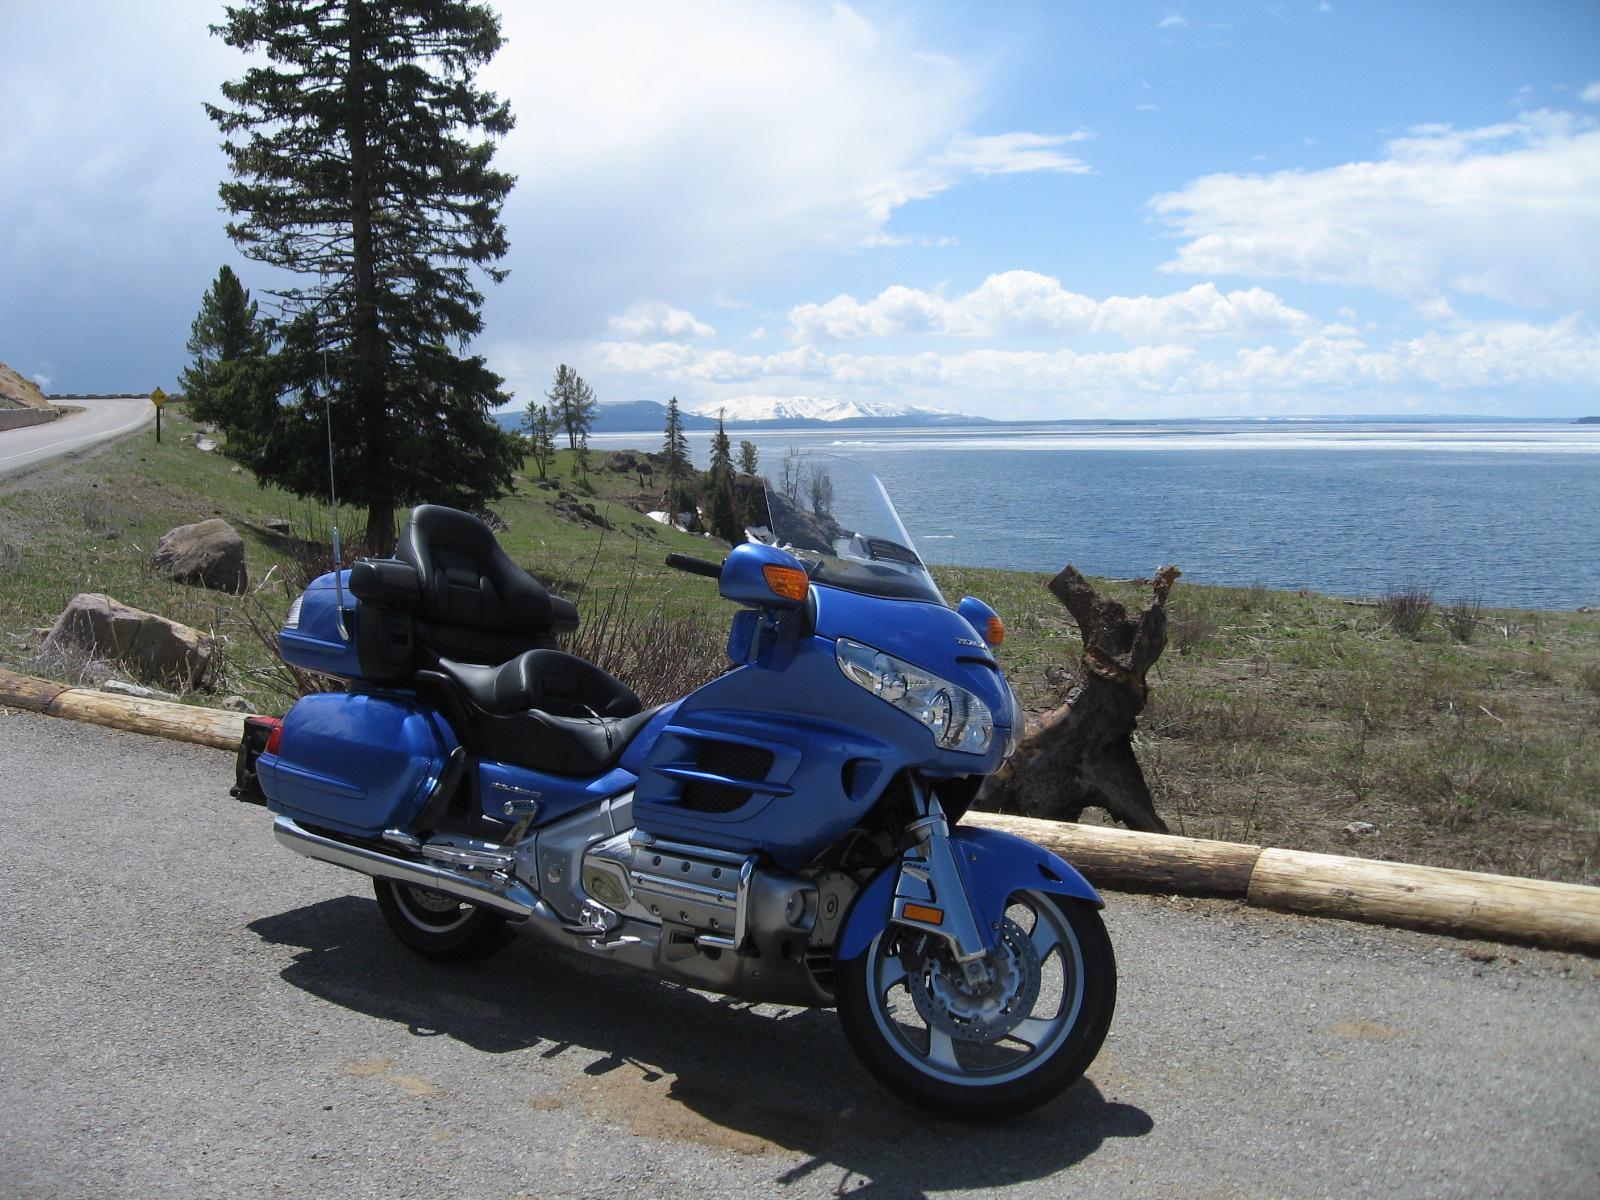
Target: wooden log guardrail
pixel 1537 912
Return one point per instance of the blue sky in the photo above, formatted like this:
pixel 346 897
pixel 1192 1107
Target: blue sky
pixel 1017 210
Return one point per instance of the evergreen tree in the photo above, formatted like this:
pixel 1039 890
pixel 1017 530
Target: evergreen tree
pixel 580 457
pixel 821 493
pixel 360 155
pixel 227 330
pixel 749 460
pixel 572 402
pixel 726 520
pixel 541 436
pixel 675 449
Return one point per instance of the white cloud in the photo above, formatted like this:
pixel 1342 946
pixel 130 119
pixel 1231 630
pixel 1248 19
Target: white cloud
pixel 1510 212
pixel 691 144
pixel 1021 303
pixel 1173 21
pixel 659 320
pixel 1483 361
pixel 1591 93
pixel 1010 154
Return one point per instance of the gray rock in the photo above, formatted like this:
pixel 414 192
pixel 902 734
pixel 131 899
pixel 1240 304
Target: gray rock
pixel 236 704
pixel 159 650
pixel 1360 829
pixel 206 444
pixel 209 553
pixel 278 525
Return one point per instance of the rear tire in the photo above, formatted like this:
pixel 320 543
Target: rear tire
pixel 438 926
pixel 984 1054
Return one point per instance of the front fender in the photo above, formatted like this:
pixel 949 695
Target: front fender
pixel 994 864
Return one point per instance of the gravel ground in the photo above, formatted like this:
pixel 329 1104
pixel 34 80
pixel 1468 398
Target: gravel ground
pixel 188 1010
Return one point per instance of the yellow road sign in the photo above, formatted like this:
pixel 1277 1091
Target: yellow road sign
pixel 158 397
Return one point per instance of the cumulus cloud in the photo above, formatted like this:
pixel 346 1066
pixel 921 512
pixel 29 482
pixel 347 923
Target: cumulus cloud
pixel 696 143
pixel 659 320
pixel 1482 359
pixel 1591 94
pixel 1020 303
pixel 1505 211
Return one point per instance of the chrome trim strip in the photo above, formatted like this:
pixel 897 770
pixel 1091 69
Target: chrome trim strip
pixel 512 898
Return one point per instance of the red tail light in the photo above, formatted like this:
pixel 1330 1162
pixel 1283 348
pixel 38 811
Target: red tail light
pixel 274 738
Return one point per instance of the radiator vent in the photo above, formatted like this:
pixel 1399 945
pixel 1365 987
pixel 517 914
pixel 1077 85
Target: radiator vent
pixel 734 760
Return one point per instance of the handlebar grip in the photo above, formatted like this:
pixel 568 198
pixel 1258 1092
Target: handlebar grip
pixel 695 566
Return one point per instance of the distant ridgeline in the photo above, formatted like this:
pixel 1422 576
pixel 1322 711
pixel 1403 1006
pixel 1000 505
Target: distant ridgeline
pixel 1587 421
pixel 762 412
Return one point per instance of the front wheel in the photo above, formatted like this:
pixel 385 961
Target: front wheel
pixel 1001 1040
pixel 438 926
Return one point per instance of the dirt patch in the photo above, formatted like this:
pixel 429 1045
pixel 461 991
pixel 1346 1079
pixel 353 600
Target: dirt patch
pixel 1357 1030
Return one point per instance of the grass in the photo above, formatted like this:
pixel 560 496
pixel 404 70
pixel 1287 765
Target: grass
pixel 1469 739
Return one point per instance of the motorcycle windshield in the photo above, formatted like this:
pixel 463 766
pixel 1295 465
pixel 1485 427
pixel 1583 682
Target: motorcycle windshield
pixel 834 516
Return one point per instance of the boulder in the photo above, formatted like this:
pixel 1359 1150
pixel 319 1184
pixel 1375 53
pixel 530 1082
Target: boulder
pixel 209 553
pixel 159 650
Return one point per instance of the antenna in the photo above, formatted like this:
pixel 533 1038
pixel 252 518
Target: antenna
pixel 333 496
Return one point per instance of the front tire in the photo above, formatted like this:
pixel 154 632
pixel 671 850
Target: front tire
pixel 993 1048
pixel 438 926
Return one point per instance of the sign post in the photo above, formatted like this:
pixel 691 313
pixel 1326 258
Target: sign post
pixel 159 399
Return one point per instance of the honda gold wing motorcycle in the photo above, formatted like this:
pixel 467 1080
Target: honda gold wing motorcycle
pixel 788 833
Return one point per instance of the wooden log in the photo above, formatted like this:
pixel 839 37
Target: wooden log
pixel 24 691
pixel 1465 903
pixel 1137 862
pixel 160 718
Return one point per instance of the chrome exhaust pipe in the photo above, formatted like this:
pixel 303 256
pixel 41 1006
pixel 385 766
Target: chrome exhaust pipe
pixel 515 899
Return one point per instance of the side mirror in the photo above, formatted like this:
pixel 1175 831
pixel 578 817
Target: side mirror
pixel 763 576
pixel 985 622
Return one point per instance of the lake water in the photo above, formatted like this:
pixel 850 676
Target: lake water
pixel 1505 512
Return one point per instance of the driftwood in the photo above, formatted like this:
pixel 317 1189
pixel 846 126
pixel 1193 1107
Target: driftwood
pixel 1081 755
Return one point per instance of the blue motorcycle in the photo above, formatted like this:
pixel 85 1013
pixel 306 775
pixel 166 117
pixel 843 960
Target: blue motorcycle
pixel 787 833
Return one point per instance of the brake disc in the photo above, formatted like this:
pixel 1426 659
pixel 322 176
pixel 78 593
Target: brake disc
pixel 986 1013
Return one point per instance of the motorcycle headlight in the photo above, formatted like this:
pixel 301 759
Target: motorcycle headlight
pixel 957 719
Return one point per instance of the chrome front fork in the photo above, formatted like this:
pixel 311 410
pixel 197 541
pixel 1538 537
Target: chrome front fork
pixel 930 893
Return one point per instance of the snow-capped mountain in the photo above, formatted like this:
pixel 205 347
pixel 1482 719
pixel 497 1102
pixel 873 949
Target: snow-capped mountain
pixel 814 408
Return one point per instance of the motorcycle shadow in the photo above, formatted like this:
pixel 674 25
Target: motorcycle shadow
pixel 675 1064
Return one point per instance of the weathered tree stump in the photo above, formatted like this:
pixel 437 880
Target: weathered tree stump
pixel 1081 754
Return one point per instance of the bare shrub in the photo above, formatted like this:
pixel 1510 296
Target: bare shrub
pixel 659 657
pixel 260 621
pixel 1590 676
pixel 1461 618
pixel 1407 608
pixel 1189 628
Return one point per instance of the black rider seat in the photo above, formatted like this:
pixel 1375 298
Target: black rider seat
pixel 548 710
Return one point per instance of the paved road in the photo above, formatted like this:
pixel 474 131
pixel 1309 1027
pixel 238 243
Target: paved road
pixel 187 1010
pixel 100 421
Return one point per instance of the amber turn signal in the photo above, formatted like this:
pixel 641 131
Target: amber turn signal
pixel 996 632
pixel 789 582
pixel 923 913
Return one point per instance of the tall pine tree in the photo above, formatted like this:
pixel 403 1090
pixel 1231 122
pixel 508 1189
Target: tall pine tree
pixel 726 521
pixel 541 436
pixel 572 404
pixel 675 449
pixel 360 156
pixel 227 331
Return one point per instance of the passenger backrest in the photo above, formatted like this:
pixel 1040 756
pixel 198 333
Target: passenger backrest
pixel 468 581
pixel 472 603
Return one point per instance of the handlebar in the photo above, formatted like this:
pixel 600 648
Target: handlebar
pixel 695 566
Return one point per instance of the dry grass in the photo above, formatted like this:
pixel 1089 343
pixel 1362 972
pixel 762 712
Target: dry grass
pixel 1407 609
